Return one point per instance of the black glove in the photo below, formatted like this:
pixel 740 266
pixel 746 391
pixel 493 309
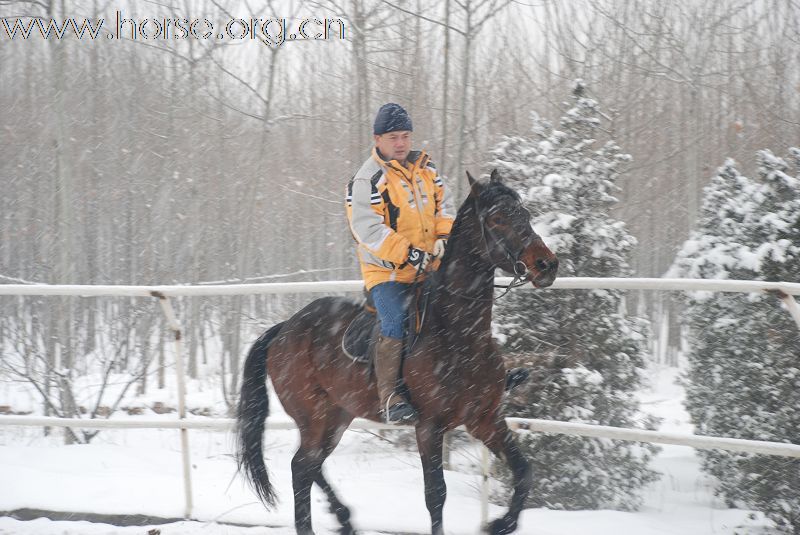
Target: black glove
pixel 418 258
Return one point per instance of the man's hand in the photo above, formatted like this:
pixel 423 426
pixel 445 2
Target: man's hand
pixel 439 247
pixel 418 258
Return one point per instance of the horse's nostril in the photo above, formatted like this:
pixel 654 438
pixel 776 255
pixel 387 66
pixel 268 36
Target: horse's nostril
pixel 541 265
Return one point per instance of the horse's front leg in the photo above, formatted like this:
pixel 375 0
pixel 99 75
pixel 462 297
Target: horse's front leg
pixel 430 437
pixel 500 440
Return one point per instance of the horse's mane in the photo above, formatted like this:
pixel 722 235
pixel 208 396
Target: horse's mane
pixel 491 193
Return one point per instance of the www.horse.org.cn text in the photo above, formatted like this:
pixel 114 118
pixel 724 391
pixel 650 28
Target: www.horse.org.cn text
pixel 270 31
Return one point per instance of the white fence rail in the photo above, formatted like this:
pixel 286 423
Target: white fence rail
pixel 564 283
pixel 517 424
pixel 783 290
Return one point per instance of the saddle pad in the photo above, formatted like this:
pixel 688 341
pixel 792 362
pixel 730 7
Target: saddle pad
pixel 360 336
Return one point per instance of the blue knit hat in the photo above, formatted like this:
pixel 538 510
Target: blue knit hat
pixel 391 118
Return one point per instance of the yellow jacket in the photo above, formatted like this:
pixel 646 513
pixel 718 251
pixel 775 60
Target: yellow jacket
pixel 392 208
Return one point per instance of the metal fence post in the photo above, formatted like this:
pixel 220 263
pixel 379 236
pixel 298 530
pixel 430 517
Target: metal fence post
pixel 169 312
pixel 791 305
pixel 484 485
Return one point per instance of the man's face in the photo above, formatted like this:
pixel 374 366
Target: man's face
pixel 394 145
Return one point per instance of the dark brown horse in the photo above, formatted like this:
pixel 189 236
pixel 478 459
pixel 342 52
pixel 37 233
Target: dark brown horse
pixel 454 373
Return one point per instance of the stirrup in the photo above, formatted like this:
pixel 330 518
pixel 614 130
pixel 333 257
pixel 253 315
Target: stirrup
pixel 401 412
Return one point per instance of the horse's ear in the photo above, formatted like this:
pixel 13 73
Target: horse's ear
pixel 495 176
pixel 471 180
pixel 474 185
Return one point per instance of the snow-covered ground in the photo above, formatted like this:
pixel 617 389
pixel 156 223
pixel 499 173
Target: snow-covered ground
pixel 138 472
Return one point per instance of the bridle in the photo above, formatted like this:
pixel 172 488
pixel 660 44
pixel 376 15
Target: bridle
pixel 521 270
pixel 510 256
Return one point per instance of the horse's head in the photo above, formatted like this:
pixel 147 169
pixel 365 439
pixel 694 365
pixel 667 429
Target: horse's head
pixel 511 243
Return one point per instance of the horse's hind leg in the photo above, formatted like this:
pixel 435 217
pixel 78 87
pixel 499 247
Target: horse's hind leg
pixel 500 440
pixel 337 507
pixel 318 438
pixel 337 423
pixel 304 467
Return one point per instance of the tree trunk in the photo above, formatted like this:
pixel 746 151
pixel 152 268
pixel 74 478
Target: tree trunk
pixel 445 85
pixel 460 181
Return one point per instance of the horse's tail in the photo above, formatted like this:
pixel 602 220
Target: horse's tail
pixel 250 416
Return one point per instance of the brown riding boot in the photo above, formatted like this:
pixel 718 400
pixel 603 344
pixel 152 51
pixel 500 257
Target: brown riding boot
pixel 388 358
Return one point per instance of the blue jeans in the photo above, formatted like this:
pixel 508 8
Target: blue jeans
pixel 391 301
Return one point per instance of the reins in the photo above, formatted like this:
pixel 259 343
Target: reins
pixel 419 316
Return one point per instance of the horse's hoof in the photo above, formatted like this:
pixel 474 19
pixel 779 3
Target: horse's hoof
pixel 342 514
pixel 503 526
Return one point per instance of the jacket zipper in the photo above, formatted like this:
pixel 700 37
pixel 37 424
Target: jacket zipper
pixel 416 193
pixel 418 199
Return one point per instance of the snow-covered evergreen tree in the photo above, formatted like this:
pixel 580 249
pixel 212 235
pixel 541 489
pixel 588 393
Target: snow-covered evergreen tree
pixel 590 352
pixel 744 349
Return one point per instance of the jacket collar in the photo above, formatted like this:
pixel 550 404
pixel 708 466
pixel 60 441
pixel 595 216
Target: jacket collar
pixel 416 158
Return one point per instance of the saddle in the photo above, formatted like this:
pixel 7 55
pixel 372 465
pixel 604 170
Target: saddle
pixel 361 334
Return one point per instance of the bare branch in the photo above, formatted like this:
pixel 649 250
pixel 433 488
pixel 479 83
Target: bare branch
pixel 423 17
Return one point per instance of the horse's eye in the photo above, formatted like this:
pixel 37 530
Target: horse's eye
pixel 496 219
pixel 522 213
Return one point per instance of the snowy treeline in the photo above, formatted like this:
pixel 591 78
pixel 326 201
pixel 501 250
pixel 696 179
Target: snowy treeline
pixel 588 353
pixel 744 349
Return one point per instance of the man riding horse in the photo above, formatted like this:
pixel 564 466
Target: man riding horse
pixel 454 374
pixel 400 216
